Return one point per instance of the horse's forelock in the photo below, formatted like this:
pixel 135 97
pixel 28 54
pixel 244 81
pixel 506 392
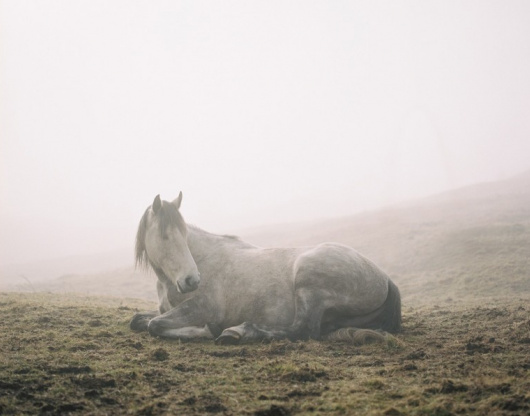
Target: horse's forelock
pixel 169 215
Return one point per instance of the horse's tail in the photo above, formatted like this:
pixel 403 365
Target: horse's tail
pixel 391 315
pixel 375 326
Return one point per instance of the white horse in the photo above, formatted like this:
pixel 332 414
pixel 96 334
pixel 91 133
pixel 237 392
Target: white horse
pixel 219 287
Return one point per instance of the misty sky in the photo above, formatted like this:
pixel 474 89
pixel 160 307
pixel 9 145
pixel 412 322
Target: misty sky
pixel 259 111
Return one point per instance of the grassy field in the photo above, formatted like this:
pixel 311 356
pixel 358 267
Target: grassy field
pixel 75 355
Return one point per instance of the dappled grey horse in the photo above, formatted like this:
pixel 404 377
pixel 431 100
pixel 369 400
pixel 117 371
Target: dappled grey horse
pixel 219 287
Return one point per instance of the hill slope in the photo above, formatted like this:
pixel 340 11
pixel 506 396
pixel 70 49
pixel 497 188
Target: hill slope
pixel 470 241
pixel 473 241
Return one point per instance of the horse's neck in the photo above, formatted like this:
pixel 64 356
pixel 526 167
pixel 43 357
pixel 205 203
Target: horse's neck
pixel 199 242
pixel 202 244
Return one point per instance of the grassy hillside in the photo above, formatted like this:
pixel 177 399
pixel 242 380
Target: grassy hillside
pixel 471 241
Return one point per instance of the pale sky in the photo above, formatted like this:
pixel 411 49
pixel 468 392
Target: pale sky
pixel 259 111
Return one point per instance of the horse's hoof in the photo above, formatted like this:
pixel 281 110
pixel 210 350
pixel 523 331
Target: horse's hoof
pixel 139 323
pixel 228 337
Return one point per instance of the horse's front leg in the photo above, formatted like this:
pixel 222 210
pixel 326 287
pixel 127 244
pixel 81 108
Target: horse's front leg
pixel 187 320
pixel 140 321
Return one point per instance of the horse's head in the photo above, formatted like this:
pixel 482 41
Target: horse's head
pixel 161 242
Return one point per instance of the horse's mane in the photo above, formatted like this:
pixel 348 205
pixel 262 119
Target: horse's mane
pixel 229 236
pixel 142 260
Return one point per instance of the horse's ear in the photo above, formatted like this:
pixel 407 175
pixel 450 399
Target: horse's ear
pixel 157 204
pixel 178 200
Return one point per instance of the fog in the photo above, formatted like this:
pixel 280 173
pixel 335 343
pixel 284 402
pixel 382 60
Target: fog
pixel 259 112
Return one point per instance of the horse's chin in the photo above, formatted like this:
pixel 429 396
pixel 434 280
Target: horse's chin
pixel 176 286
pixel 170 286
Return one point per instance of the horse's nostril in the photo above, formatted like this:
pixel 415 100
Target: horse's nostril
pixel 192 281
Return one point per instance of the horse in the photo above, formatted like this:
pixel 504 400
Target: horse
pixel 222 288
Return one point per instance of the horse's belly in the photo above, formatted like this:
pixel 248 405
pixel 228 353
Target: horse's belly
pixel 270 304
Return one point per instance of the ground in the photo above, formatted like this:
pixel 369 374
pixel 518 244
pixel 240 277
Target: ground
pixel 69 354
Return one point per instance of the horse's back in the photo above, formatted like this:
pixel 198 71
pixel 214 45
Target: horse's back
pixel 359 285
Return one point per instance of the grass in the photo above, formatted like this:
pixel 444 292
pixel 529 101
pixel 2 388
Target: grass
pixel 75 355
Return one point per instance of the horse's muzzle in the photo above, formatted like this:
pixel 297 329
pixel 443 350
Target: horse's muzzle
pixel 190 283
